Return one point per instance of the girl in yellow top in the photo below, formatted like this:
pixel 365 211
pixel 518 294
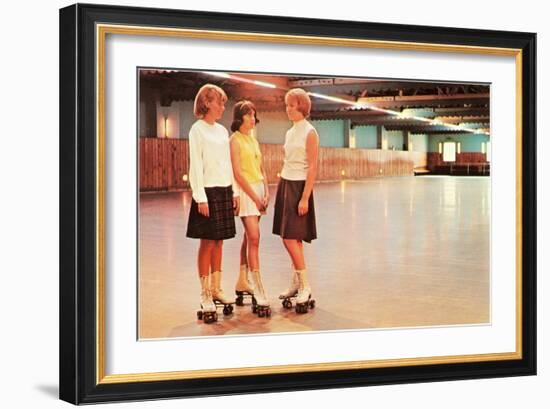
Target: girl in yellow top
pixel 246 159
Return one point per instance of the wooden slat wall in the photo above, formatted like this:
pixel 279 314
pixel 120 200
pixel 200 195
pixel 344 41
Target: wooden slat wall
pixel 163 162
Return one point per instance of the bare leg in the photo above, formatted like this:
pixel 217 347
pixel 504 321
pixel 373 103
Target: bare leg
pixel 244 258
pixel 295 249
pixel 216 256
pixel 243 285
pixel 205 256
pixel 216 275
pixel 252 228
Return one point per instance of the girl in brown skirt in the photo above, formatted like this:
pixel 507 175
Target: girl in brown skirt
pixel 211 217
pixel 294 217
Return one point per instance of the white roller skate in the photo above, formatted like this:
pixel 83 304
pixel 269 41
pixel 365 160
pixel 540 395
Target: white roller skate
pixel 243 288
pixel 290 292
pixel 303 298
pixel 218 296
pixel 207 313
pixel 261 307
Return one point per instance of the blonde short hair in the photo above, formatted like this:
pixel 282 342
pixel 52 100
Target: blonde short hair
pixel 302 98
pixel 207 93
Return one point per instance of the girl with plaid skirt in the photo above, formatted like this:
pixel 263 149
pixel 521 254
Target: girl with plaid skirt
pixel 211 217
pixel 294 215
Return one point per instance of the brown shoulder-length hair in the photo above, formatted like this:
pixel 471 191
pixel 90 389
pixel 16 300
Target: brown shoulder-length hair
pixel 207 93
pixel 302 98
pixel 241 109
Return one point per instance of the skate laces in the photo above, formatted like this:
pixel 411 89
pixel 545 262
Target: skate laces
pixel 258 282
pixel 294 286
pixel 247 277
pixel 302 288
pixel 295 283
pixel 207 294
pixel 207 301
pixel 300 281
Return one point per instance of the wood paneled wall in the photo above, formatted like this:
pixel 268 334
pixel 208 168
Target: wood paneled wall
pixel 164 162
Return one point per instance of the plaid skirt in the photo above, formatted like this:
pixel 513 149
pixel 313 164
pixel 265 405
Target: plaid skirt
pixel 286 221
pixel 221 223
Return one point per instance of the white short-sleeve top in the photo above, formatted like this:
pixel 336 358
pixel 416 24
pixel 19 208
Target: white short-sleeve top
pixel 295 164
pixel 209 158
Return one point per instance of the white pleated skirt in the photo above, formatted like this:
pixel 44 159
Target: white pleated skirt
pixel 248 207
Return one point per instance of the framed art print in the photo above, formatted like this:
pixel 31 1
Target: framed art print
pixel 257 203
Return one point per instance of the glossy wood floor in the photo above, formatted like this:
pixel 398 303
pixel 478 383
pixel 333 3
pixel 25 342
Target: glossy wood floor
pixel 391 252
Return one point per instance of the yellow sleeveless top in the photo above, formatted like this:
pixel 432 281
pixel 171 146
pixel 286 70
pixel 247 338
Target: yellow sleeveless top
pixel 251 157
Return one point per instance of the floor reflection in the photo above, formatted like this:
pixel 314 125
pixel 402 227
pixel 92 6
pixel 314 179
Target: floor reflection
pixel 392 252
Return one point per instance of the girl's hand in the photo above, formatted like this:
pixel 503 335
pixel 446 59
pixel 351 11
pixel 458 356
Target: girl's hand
pixel 265 203
pixel 236 205
pixel 259 204
pixel 303 207
pixel 203 209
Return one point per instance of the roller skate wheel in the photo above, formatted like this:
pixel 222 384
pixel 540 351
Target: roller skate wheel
pixel 261 313
pixel 287 304
pixel 226 311
pixel 199 315
pixel 312 304
pixel 301 308
pixel 254 308
pixel 268 312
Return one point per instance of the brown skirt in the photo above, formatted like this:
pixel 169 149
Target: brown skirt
pixel 286 221
pixel 221 223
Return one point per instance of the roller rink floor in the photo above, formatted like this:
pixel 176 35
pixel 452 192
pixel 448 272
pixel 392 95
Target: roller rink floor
pixel 391 252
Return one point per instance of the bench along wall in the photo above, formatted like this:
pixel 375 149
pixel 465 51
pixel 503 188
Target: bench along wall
pixel 472 159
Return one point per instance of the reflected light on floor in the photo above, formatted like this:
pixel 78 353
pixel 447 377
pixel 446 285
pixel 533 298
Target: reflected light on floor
pixel 342 191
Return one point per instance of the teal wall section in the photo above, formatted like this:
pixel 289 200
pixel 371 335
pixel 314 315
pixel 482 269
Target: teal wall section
pixel 331 132
pixel 365 137
pixel 394 138
pixel 419 142
pixel 273 126
pixel 468 142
